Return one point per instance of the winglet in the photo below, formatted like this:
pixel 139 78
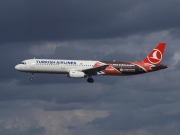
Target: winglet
pixel 156 55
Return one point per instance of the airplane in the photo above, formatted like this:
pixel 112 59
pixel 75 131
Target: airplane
pixel 88 68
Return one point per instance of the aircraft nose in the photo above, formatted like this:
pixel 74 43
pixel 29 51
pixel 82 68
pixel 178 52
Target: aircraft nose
pixel 17 67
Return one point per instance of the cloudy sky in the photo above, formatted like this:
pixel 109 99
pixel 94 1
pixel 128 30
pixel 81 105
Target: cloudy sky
pixel 121 30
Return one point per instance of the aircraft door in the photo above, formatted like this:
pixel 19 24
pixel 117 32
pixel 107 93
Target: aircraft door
pixel 31 65
pixel 62 67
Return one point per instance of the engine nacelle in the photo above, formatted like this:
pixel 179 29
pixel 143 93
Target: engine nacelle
pixel 76 74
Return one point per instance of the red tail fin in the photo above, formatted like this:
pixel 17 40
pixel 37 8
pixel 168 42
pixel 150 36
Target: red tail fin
pixel 156 55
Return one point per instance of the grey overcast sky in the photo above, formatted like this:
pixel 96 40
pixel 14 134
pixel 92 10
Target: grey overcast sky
pixel 121 30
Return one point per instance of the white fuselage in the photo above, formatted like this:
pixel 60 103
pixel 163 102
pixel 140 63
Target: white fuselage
pixel 53 65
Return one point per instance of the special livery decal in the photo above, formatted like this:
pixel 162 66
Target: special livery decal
pixel 149 64
pixel 123 68
pixel 130 68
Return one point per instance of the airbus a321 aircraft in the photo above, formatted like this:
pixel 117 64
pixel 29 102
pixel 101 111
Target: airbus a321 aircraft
pixel 84 68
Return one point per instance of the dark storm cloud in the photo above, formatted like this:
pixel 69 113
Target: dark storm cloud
pixel 31 131
pixel 31 20
pixel 127 121
pixel 11 56
pixel 59 93
pixel 175 32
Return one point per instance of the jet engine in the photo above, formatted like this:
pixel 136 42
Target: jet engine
pixel 76 74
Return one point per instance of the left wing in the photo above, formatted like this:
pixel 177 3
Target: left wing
pixel 94 70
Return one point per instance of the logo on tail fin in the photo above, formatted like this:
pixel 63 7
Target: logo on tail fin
pixel 156 54
pixel 155 57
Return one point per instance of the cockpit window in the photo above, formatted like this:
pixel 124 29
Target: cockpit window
pixel 24 63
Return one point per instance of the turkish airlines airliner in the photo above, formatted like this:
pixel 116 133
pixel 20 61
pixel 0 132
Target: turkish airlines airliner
pixel 84 68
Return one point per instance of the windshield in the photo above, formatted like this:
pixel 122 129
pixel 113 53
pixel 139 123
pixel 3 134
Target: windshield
pixel 23 63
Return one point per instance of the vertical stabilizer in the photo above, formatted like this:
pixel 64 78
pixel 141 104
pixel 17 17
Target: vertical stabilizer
pixel 156 55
